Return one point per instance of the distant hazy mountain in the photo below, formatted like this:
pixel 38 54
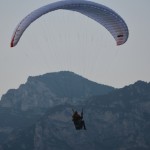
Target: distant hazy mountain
pixel 22 107
pixel 52 89
pixel 119 120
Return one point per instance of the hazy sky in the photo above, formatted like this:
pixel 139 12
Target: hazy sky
pixel 65 40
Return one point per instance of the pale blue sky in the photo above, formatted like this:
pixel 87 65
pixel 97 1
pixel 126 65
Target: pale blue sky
pixel 65 40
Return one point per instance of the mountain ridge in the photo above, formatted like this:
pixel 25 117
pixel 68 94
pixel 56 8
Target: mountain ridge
pixel 116 120
pixel 51 89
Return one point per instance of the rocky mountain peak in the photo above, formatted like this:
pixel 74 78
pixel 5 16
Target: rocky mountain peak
pixel 118 120
pixel 52 89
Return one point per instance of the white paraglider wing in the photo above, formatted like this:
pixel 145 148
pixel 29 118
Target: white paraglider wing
pixel 100 13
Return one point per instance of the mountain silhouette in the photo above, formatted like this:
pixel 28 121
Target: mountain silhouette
pixel 118 119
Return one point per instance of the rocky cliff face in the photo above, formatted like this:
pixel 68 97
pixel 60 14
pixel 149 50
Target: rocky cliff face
pixel 119 120
pixel 52 89
pixel 22 107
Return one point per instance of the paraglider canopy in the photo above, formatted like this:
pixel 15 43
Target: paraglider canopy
pixel 100 13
